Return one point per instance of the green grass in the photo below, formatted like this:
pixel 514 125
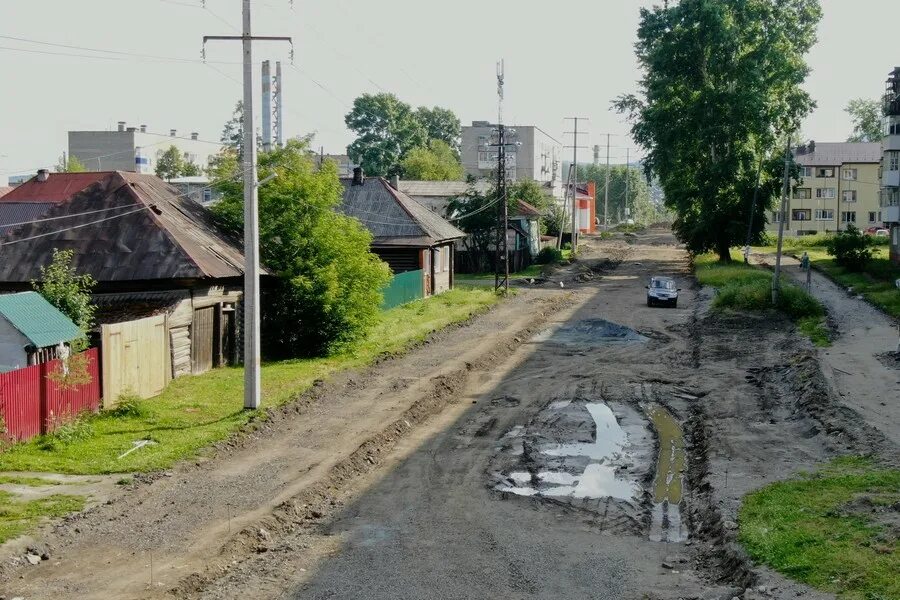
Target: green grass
pixel 804 529
pixel 530 271
pixel 29 481
pixel 19 516
pixel 194 412
pixel 749 288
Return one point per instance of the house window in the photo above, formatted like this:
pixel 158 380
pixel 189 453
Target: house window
pixel 873 216
pixel 849 195
pixel 824 214
pixel 207 195
pixel 803 193
pixel 807 171
pixel 825 193
pixel 825 172
pixel 776 216
pixel 801 214
pixel 445 257
pixel 850 174
pixel 848 216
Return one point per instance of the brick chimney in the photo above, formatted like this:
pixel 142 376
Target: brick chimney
pixel 43 175
pixel 358 176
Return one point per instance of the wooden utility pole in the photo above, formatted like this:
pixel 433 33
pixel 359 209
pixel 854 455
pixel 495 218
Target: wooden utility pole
pixel 251 214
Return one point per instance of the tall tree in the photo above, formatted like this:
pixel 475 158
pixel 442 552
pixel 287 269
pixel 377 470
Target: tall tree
pixel 386 129
pixel 437 162
pixel 233 131
pixel 329 284
pixel 530 191
pixel 170 164
pixel 866 117
pixel 721 87
pixel 640 203
pixel 441 124
pixel 69 164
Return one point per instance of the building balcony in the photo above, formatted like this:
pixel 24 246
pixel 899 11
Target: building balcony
pixel 890 214
pixel 891 142
pixel 890 179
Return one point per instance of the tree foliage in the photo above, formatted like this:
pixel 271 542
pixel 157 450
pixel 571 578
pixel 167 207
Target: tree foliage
pixel 622 179
pixel 329 283
pixel 388 129
pixel 68 291
pixel 441 124
pixel 530 191
pixel 851 249
pixel 720 89
pixel 476 214
pixel 233 131
pixel 437 162
pixel 170 164
pixel 69 164
pixel 866 117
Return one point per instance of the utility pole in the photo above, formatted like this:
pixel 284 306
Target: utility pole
pixel 575 148
pixel 503 208
pixel 776 278
pixel 606 189
pixel 627 183
pixel 251 213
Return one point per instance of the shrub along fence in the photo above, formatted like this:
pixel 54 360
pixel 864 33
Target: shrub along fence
pixel 33 403
pixel 403 288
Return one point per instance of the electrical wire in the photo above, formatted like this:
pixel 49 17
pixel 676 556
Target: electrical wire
pixel 69 216
pixel 49 233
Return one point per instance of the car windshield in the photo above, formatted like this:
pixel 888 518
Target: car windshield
pixel 661 284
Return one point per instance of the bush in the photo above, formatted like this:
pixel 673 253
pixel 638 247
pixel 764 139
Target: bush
pixel 851 249
pixel 548 255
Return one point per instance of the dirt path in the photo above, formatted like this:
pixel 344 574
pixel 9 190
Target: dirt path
pixel 181 521
pixel 852 363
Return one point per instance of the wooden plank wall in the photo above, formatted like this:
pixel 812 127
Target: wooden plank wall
pixel 136 358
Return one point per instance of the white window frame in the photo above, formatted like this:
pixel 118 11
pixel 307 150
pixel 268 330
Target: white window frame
pixel 872 216
pixel 826 193
pixel 824 214
pixel 846 214
pixel 803 193
pixel 850 174
pixel 826 172
pixel 849 196
pixel 804 211
pixel 807 172
pixel 893 161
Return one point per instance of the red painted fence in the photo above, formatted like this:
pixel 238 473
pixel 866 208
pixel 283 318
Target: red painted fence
pixel 31 403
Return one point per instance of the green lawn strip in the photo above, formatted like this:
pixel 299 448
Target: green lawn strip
pixel 530 271
pixel 18 516
pixel 194 412
pixel 820 529
pixel 29 481
pixel 745 287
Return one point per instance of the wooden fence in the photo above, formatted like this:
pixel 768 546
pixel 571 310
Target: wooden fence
pixel 32 403
pixel 136 358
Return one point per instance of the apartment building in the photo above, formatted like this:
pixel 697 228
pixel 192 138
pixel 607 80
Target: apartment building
pixel 537 155
pixel 890 167
pixel 136 149
pixel 839 187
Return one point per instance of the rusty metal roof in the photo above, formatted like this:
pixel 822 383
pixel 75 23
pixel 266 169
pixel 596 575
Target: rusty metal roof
pixel 59 187
pixel 159 236
pixel 5 189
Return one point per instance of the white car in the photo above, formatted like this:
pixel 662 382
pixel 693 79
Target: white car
pixel 662 290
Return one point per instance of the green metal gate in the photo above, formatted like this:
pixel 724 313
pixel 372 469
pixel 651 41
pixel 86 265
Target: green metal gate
pixel 403 288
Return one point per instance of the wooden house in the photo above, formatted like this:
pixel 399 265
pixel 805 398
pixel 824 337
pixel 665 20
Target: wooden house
pixel 406 234
pixel 152 252
pixel 31 330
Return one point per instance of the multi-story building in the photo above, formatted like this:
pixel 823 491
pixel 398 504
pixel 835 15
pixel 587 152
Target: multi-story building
pixel 890 167
pixel 839 187
pixel 536 155
pixel 135 149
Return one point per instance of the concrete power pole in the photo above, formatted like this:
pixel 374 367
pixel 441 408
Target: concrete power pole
pixel 628 210
pixel 776 277
pixel 251 214
pixel 575 148
pixel 606 189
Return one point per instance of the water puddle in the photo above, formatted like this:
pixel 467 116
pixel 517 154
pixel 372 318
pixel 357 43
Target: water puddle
pixel 591 332
pixel 666 525
pixel 599 462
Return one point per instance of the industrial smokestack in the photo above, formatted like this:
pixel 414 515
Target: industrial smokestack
pixel 266 106
pixel 279 103
pixel 596 155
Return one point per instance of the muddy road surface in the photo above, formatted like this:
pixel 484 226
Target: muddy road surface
pixel 574 443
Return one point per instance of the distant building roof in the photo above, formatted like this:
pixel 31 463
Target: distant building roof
pixel 159 236
pixel 523 209
pixel 198 179
pixel 441 188
pixel 37 319
pixel 394 218
pixel 59 187
pixel 5 189
pixel 834 154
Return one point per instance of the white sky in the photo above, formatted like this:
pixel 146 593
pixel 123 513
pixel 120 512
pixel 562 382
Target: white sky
pixel 426 52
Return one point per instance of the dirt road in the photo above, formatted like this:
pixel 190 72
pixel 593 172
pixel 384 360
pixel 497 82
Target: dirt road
pixel 573 443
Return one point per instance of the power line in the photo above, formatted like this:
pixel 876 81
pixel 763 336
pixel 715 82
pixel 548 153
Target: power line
pixel 40 235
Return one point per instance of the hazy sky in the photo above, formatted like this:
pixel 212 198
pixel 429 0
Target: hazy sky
pixel 426 52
